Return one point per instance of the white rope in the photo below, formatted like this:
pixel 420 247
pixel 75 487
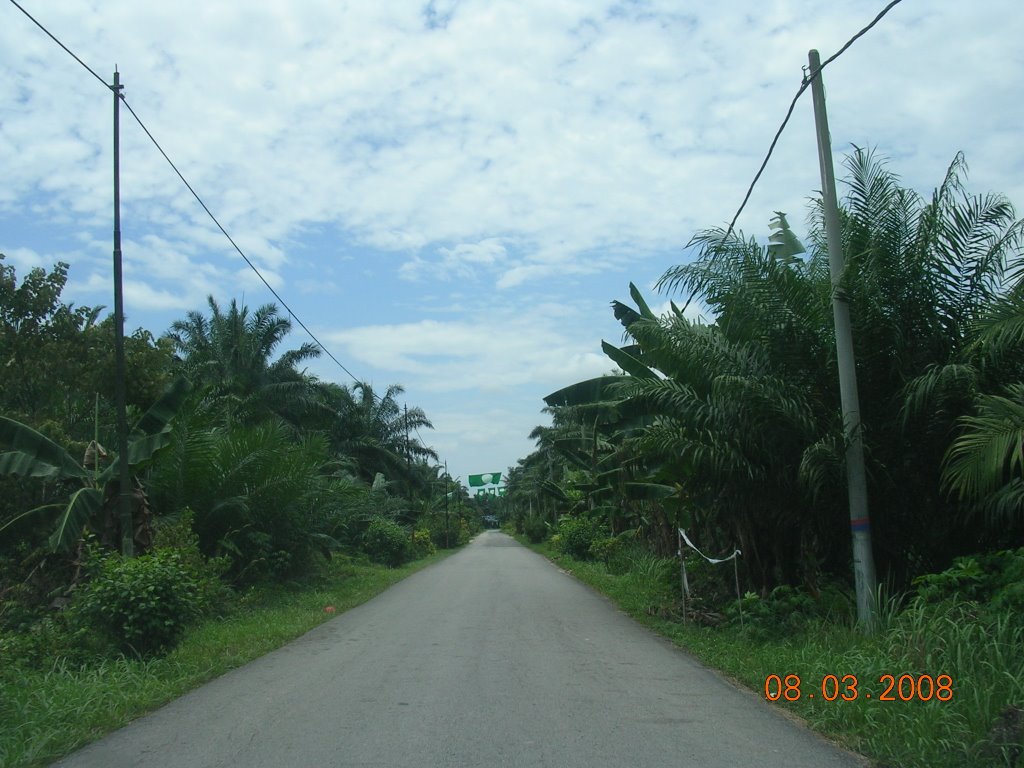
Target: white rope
pixel 711 560
pixel 714 561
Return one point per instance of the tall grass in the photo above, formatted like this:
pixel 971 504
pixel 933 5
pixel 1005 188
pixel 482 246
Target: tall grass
pixel 982 650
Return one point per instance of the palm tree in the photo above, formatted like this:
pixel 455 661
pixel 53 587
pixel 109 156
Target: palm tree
pixel 921 274
pixel 230 354
pixel 378 433
pixel 984 468
pixel 745 411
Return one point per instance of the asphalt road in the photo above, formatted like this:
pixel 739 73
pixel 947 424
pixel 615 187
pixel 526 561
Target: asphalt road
pixel 492 657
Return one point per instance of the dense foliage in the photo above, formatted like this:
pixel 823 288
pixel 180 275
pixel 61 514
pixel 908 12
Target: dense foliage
pixel 267 470
pixel 732 428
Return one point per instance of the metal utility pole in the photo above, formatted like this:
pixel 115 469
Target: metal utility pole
pixel 860 527
pixel 124 475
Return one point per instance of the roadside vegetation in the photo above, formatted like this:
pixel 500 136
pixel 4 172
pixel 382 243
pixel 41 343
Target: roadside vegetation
pixel 260 495
pixel 57 700
pixel 729 427
pixel 955 623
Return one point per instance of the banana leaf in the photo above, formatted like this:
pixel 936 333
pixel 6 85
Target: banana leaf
pixel 152 431
pixel 583 392
pixel 157 418
pixel 645 311
pixel 627 362
pixel 83 505
pixel 31 454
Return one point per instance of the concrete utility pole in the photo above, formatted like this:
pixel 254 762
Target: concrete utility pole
pixel 408 456
pixel 860 523
pixel 124 499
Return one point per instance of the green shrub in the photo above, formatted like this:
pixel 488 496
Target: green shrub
pixel 421 544
pixel 38 644
pixel 386 542
pixel 783 613
pixel 463 532
pixel 535 528
pixel 578 534
pixel 604 549
pixel 447 531
pixel 996 578
pixel 143 604
pixel 176 533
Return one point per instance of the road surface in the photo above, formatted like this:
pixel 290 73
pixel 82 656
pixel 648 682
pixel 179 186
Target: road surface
pixel 492 657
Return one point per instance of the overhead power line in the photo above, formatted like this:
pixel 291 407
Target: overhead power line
pixel 58 42
pixel 191 189
pixel 231 240
pixel 808 79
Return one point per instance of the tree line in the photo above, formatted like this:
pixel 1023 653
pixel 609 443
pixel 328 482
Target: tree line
pixel 731 427
pixel 271 468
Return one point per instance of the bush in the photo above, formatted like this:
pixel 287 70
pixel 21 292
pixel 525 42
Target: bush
pixel 176 533
pixel 386 542
pixel 604 549
pixel 535 528
pixel 783 613
pixel 578 534
pixel 143 604
pixel 996 578
pixel 453 533
pixel 421 544
pixel 462 532
pixel 434 523
pixel 40 643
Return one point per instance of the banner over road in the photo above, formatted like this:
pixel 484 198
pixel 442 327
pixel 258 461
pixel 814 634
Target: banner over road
pixel 492 478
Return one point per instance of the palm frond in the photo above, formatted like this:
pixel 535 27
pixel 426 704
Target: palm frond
pixel 989 453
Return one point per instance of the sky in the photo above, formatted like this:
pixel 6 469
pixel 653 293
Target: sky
pixel 451 193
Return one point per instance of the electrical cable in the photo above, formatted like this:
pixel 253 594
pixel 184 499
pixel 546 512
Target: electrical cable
pixel 58 42
pixel 209 213
pixel 808 79
pixel 231 240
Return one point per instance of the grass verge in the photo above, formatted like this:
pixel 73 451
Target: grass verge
pixel 46 714
pixel 979 726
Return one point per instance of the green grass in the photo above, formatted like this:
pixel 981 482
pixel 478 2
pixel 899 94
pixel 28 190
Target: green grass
pixel 982 652
pixel 45 714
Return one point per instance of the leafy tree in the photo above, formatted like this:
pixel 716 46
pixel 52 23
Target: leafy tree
pixel 56 358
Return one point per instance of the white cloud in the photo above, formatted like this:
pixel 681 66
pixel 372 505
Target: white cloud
pixel 25 259
pixel 500 148
pixel 467 261
pixel 491 354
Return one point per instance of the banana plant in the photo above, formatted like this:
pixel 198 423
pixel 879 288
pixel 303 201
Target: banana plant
pixel 24 452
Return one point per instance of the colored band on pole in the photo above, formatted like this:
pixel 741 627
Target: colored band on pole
pixel 860 524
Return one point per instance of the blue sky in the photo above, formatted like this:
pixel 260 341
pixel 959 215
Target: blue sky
pixel 450 194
